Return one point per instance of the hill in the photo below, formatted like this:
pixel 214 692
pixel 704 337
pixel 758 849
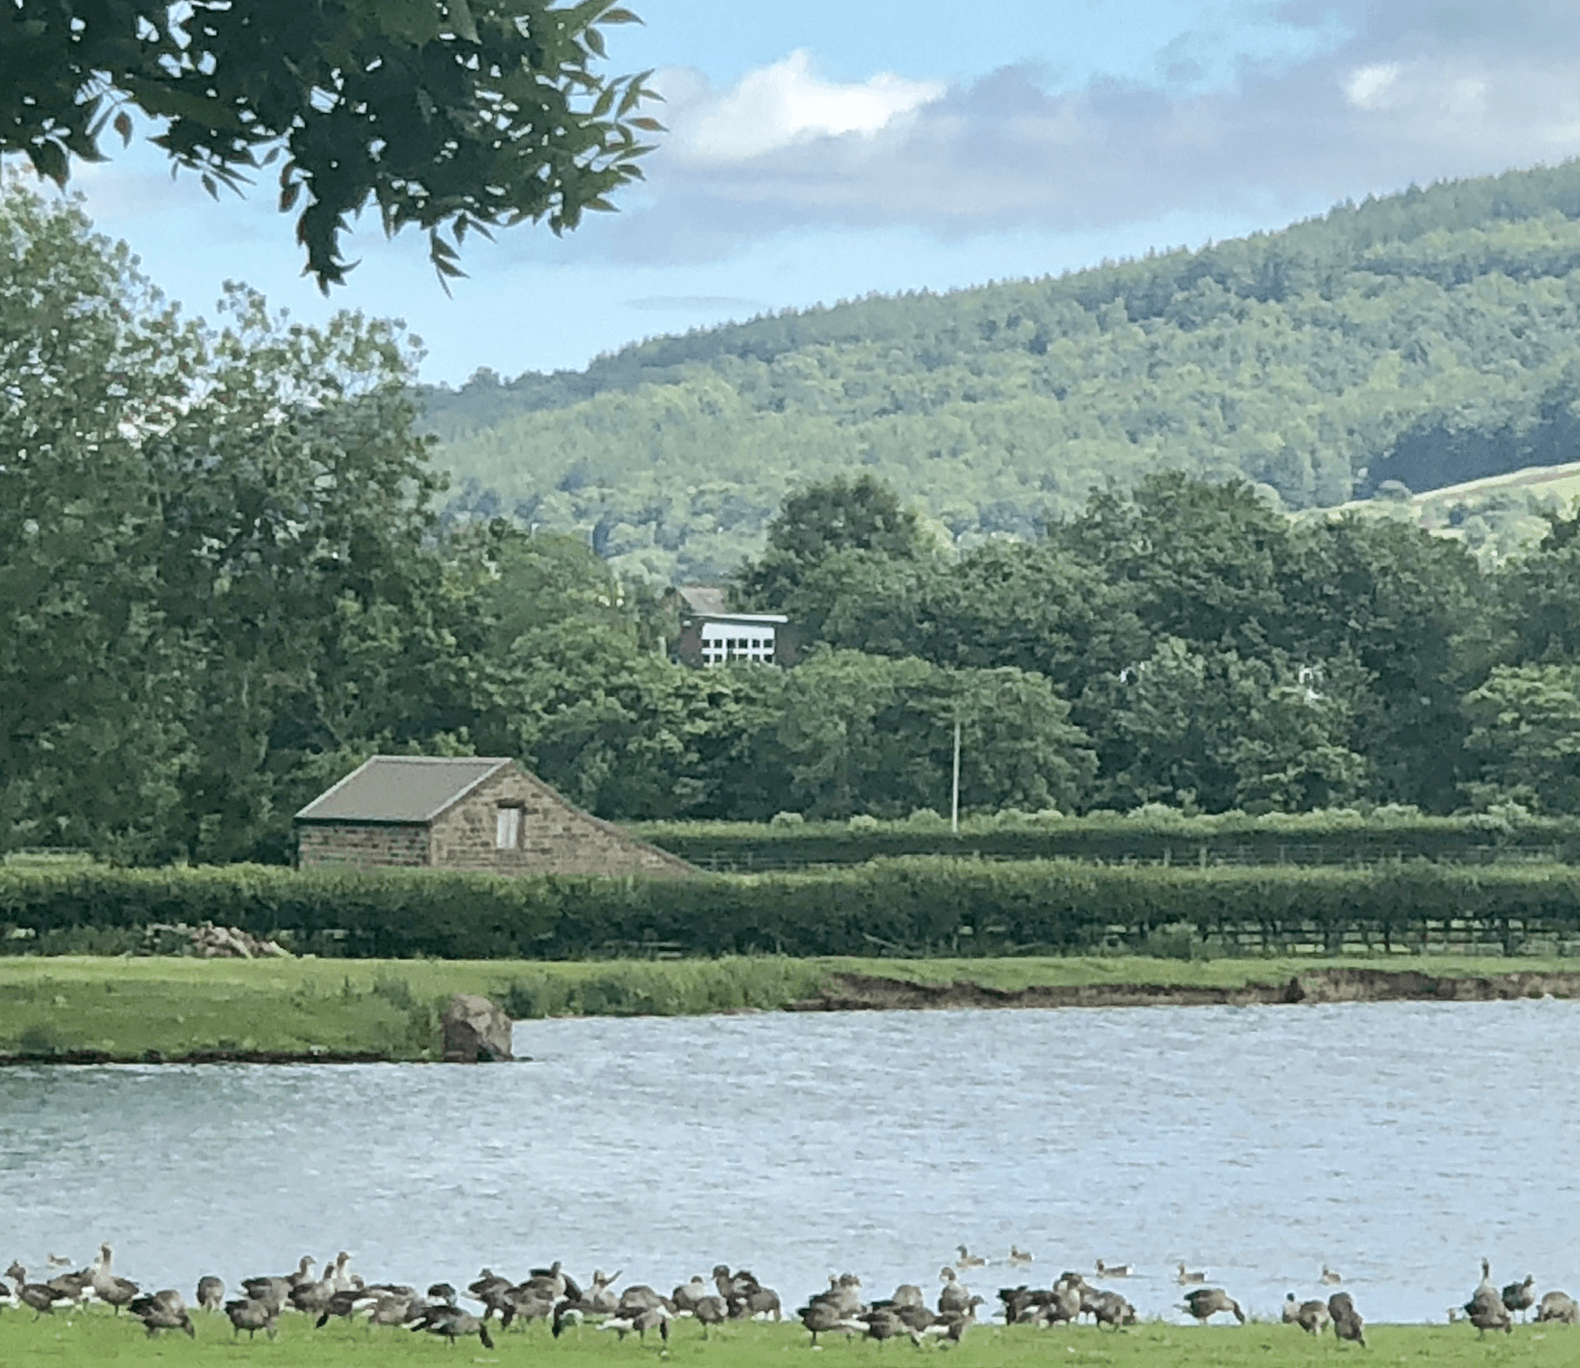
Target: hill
pixel 1427 338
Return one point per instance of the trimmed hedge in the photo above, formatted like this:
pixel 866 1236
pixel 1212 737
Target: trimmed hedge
pixel 1320 838
pixel 911 907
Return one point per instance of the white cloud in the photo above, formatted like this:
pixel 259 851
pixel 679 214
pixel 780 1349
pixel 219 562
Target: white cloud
pixel 1369 87
pixel 778 106
pixel 1393 94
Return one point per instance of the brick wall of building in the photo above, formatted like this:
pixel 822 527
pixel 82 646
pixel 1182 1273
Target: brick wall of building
pixel 556 837
pixel 371 846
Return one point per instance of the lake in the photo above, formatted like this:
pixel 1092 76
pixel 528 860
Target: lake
pixel 1397 1142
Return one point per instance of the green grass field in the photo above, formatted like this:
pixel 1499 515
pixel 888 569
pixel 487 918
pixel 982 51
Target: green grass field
pixel 97 1337
pixel 128 1008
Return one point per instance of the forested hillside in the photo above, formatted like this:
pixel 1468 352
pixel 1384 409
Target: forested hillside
pixel 1427 338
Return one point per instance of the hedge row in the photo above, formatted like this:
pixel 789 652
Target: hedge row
pixel 916 906
pixel 1311 839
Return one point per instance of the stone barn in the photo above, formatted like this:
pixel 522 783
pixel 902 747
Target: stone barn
pixel 471 812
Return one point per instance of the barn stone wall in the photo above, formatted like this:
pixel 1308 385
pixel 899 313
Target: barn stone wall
pixel 556 838
pixel 374 845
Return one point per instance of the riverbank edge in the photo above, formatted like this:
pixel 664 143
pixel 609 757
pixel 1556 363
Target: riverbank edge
pixel 866 992
pixel 849 989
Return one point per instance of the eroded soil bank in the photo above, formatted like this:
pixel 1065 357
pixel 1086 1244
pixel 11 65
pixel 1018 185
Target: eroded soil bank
pixel 866 992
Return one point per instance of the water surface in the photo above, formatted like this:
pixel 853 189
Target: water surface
pixel 1398 1142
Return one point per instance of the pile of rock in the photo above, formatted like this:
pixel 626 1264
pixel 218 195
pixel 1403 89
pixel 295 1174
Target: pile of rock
pixel 207 941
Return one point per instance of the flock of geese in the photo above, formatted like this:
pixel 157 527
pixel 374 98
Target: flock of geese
pixel 553 1296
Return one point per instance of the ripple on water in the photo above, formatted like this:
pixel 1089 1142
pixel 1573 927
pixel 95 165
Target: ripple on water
pixel 1398 1141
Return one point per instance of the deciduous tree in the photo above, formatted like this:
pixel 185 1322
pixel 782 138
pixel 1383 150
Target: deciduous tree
pixel 455 115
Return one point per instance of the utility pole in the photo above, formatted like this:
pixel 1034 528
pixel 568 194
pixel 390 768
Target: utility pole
pixel 954 790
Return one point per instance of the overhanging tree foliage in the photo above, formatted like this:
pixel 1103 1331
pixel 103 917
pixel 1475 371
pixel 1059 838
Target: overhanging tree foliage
pixel 447 114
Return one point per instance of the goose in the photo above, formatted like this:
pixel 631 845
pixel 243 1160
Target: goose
pixel 348 1303
pixel 313 1294
pixel 108 1288
pixel 340 1277
pixel 276 1291
pixel 688 1294
pixel 821 1318
pixel 916 1317
pixel 450 1321
pixel 1022 1304
pixel 954 1295
pixel 843 1294
pixel 1485 1309
pixel 490 1289
pixel 564 1285
pixel 40 1296
pixel 1330 1277
pixel 753 1300
pixel 397 1306
pixel 163 1311
pixel 76 1287
pixel 1113 1270
pixel 601 1297
pixel 1019 1257
pixel 1558 1307
pixel 1112 1309
pixel 884 1324
pixel 638 1297
pixel 60 1261
pixel 712 1310
pixel 1069 1299
pixel 1520 1297
pixel 1310 1316
pixel 1186 1277
pixel 252 1315
pixel 650 1318
pixel 210 1293
pixel 950 1328
pixel 908 1294
pixel 1347 1323
pixel 533 1300
pixel 1206 1302
pixel 969 1260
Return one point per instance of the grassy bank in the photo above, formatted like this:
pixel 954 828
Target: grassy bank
pixel 132 1008
pixel 95 1338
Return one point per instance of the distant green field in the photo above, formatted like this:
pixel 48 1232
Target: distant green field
pixel 98 1337
pixel 1497 516
pixel 128 1008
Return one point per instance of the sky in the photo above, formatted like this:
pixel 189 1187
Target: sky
pixel 828 149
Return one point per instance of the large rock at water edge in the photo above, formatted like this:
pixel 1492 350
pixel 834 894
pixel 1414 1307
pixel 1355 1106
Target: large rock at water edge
pixel 475 1031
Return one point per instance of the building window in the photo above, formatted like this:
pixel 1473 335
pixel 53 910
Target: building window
pixel 730 641
pixel 507 828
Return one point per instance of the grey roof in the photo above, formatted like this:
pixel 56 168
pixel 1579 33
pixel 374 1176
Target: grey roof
pixel 400 788
pixel 705 600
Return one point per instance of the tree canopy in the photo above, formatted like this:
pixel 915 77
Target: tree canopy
pixel 451 115
pixel 225 579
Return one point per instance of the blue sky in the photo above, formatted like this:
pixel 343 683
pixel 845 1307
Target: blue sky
pixel 824 150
